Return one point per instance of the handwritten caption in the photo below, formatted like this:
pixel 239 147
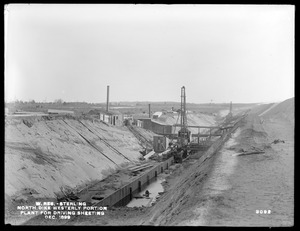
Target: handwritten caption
pixel 61 210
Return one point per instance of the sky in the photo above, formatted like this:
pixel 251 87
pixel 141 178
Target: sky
pixel 220 53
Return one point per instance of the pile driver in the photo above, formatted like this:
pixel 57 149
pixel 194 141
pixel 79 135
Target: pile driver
pixel 180 149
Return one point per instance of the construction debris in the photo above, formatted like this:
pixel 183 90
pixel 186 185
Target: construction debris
pixel 67 197
pixel 140 167
pixel 250 153
pixel 277 141
pixel 96 197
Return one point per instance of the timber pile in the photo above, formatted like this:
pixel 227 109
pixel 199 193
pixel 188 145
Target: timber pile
pixel 140 167
pixel 277 141
pixel 250 153
pixel 255 150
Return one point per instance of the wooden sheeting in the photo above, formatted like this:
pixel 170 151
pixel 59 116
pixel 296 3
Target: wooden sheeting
pixel 140 167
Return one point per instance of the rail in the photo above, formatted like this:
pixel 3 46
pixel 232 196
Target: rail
pixel 144 141
pixel 105 142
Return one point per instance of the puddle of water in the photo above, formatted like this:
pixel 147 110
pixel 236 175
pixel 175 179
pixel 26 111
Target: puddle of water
pixel 154 188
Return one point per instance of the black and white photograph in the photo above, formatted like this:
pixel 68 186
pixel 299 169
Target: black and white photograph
pixel 149 115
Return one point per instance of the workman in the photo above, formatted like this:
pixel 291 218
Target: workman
pixel 147 193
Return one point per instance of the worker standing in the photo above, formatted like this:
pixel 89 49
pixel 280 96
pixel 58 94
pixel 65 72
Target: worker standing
pixel 147 193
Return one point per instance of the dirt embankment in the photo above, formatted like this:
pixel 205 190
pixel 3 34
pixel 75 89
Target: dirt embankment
pixel 183 192
pixel 182 187
pixel 185 188
pixel 282 111
pixel 45 157
pixel 239 185
pixel 210 194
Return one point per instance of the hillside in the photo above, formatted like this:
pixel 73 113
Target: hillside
pixel 284 110
pixel 41 155
pixel 193 119
pixel 260 108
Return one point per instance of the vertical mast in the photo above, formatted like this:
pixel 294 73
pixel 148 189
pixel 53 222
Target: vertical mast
pixel 107 99
pixel 183 108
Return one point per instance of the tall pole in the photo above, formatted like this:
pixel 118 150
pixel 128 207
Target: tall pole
pixel 183 108
pixel 230 107
pixel 107 98
pixel 185 121
pixel 149 110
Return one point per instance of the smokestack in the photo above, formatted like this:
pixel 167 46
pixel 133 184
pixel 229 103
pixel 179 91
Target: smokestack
pixel 107 98
pixel 149 110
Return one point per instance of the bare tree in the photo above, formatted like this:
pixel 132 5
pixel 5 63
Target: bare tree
pixel 59 101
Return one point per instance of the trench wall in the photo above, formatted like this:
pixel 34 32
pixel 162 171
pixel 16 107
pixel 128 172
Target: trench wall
pixel 217 145
pixel 123 195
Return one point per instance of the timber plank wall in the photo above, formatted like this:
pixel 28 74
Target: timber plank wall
pixel 123 195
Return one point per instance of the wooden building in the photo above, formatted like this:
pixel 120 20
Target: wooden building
pixel 111 117
pixel 160 143
pixel 160 128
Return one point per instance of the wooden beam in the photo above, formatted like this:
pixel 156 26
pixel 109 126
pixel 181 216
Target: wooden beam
pixel 139 166
pixel 249 153
pixel 194 126
pixel 226 127
pixel 205 135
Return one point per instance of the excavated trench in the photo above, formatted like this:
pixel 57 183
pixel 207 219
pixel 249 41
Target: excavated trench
pixel 83 133
pixel 185 190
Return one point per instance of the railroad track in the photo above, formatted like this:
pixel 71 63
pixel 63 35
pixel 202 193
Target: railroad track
pixel 144 142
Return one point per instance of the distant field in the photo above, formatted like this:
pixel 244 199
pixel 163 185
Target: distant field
pixel 133 108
